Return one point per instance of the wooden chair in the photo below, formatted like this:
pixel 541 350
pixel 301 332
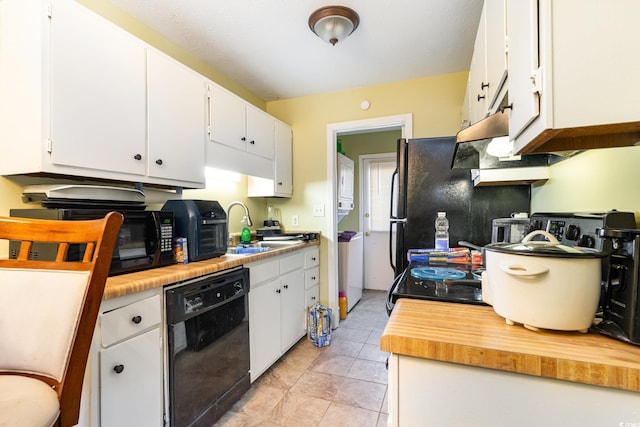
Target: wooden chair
pixel 48 312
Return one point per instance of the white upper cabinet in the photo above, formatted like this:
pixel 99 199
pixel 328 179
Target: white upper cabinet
pixel 97 93
pixel 176 108
pixel 240 136
pixel 488 68
pixel 345 182
pixel 79 97
pixel 573 74
pixel 282 183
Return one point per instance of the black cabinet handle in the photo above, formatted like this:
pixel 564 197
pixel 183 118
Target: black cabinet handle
pixel 136 319
pixel 483 85
pixel 480 97
pixel 137 157
pixel 159 162
pixel 118 369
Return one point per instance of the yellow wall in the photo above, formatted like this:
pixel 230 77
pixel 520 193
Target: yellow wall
pixel 593 181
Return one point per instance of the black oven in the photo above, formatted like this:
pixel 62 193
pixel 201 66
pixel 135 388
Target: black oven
pixel 145 239
pixel 207 321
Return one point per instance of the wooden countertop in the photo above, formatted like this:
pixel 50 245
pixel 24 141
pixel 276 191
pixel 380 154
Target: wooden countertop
pixel 477 336
pixel 125 284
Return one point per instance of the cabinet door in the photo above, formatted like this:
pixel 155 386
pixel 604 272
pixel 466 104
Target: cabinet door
pixel 478 104
pixel 176 108
pixel 293 308
pixel 345 175
pixel 283 180
pixel 522 22
pixel 495 33
pixel 264 326
pixel 132 397
pixel 260 134
pixel 98 95
pixel 227 122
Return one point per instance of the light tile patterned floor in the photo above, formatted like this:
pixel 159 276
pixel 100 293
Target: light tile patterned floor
pixel 344 384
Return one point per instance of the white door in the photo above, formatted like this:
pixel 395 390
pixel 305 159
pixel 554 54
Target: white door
pixel 376 173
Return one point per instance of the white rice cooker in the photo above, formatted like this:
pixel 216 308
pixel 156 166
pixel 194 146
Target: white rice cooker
pixel 543 284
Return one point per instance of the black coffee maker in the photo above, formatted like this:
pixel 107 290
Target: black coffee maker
pixel 621 310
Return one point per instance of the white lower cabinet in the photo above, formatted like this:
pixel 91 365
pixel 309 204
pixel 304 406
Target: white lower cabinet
pixel 126 362
pixel 277 308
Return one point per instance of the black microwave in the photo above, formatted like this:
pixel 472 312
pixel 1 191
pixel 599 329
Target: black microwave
pixel 145 239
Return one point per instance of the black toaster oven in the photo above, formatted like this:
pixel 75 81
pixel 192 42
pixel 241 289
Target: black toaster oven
pixel 203 223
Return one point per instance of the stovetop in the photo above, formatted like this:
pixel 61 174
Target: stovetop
pixel 442 282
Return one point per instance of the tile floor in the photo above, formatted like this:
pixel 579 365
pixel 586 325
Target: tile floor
pixel 344 384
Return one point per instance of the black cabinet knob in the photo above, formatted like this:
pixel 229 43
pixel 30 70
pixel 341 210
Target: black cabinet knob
pixel 159 162
pixel 138 157
pixel 118 369
pixel 279 183
pixel 252 142
pixel 278 291
pixel 286 286
pixel 136 319
pixel 243 138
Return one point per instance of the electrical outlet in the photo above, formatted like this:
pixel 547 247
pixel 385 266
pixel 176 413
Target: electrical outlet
pixel 294 221
pixel 318 210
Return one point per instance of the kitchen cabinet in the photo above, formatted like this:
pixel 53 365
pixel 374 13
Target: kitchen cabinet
pixel 282 183
pixel 276 308
pixel 126 362
pixel 241 136
pixel 312 276
pixel 488 69
pixel 572 79
pixel 345 182
pixel 74 99
pixel 421 392
pixel 176 102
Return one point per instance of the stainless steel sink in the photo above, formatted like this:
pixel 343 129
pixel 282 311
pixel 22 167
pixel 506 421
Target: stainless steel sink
pixel 260 247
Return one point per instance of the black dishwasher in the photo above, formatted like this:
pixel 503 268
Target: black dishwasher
pixel 207 346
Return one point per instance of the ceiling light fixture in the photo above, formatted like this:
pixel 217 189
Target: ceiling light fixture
pixel 333 23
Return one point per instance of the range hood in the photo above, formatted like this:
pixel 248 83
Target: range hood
pixel 472 152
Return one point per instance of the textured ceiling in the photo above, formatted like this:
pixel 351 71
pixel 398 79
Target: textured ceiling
pixel 267 47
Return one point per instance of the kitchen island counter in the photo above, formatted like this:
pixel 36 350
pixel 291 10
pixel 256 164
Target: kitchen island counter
pixel 126 284
pixel 477 336
pixel 460 364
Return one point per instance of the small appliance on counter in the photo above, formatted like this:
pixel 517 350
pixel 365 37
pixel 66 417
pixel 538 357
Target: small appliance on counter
pixel 510 230
pixel 271 226
pixel 203 223
pixel 145 239
pixel 621 314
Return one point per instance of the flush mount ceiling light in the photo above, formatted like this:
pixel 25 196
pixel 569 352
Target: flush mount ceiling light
pixel 333 23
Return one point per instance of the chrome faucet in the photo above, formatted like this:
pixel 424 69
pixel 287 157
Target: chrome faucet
pixel 246 217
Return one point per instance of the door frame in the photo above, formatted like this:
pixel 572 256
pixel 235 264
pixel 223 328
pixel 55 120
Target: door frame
pixel 404 122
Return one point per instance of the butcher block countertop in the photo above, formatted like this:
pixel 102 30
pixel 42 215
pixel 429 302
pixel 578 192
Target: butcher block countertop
pixel 126 284
pixel 477 336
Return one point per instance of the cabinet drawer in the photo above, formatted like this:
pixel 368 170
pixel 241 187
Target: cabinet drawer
pixel 260 273
pixel 311 258
pixel 291 262
pixel 312 296
pixel 311 277
pixel 129 320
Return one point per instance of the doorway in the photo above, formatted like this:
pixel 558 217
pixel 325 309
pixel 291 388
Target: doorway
pixel 404 123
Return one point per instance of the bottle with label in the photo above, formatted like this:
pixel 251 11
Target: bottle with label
pixel 442 232
pixel 245 236
pixel 342 302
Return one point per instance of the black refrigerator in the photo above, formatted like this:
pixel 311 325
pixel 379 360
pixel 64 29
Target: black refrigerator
pixel 426 185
